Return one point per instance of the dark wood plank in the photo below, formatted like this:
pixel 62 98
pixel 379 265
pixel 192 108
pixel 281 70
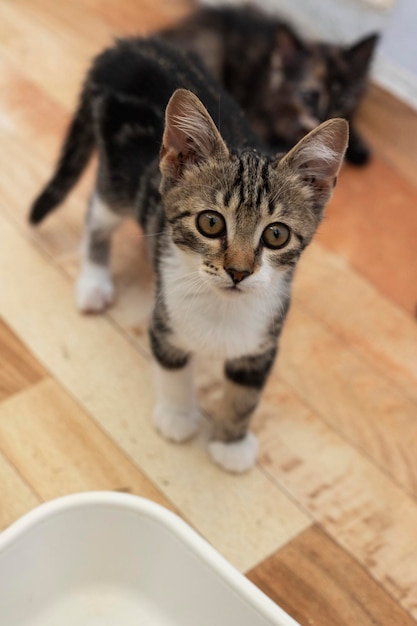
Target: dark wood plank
pixel 18 367
pixel 318 583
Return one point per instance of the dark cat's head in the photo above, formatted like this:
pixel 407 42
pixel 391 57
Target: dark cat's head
pixel 241 219
pixel 307 84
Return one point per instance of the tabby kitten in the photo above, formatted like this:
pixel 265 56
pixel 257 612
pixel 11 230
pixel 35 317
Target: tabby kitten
pixel 226 224
pixel 286 86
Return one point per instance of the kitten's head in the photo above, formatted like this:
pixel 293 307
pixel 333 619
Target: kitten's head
pixel 308 84
pixel 242 219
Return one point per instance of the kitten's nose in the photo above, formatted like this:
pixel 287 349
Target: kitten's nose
pixel 237 275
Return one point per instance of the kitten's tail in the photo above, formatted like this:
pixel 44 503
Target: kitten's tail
pixel 75 154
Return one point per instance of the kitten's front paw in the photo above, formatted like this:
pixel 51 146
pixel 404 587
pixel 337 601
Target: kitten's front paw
pixel 237 456
pixel 94 291
pixel 175 425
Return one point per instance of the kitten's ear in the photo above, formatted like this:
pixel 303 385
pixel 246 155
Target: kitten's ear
pixel 360 54
pixel 190 136
pixel 317 158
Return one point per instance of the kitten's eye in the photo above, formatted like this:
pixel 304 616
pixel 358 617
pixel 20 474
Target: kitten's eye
pixel 211 224
pixel 276 236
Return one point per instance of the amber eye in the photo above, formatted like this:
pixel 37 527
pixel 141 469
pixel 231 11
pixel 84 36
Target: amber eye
pixel 211 224
pixel 276 236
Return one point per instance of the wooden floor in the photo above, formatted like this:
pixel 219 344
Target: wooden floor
pixel 326 524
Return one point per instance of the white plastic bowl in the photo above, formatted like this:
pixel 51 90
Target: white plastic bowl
pixel 110 559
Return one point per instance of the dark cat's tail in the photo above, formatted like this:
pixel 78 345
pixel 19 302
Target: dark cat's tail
pixel 75 154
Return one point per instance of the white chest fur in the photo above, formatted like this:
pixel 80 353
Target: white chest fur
pixel 206 322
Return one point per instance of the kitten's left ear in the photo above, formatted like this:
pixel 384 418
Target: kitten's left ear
pixel 317 158
pixel 360 54
pixel 190 136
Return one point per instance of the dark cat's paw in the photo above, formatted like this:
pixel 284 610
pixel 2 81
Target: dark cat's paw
pixel 357 153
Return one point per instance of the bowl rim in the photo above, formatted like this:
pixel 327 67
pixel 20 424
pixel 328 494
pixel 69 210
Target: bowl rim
pixel 147 508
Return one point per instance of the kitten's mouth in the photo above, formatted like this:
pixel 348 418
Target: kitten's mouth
pixel 233 289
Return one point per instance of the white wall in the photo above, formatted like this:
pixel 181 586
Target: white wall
pixel 399 44
pixel 339 21
pixel 396 66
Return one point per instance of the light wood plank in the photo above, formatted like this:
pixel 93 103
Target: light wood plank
pixel 133 17
pixel 379 331
pixel 29 114
pixel 19 186
pixel 16 497
pixel 46 31
pixel 33 129
pixel 104 18
pixel 18 368
pixel 355 502
pixel 24 40
pixel 58 449
pixel 356 400
pixel 110 380
pixel 317 582
pixel 65 20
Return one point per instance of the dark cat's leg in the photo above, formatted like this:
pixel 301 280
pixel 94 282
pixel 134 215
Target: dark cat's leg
pixel 233 446
pixel 176 414
pixel 357 152
pixel 95 291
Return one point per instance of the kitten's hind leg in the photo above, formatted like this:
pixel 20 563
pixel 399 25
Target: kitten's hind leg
pixel 94 290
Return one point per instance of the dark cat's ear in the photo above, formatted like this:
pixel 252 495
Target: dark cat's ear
pixel 289 46
pixel 190 136
pixel 360 54
pixel 317 158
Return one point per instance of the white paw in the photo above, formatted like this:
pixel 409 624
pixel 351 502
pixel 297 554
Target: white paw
pixel 238 456
pixel 175 425
pixel 94 290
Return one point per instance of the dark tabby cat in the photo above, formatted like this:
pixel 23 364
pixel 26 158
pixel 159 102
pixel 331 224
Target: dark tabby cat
pixel 227 224
pixel 286 86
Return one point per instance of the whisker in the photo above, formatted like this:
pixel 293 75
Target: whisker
pixel 153 234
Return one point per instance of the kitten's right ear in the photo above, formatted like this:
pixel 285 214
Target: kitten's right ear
pixel 190 137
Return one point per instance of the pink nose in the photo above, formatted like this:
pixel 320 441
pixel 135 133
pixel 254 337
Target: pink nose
pixel 237 275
